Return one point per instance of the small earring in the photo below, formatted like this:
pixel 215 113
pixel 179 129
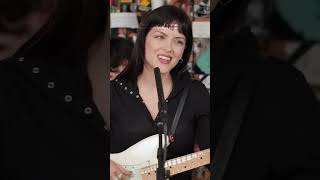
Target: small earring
pixel 180 61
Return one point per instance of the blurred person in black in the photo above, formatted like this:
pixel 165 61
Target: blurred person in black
pixel 120 54
pixel 277 138
pixel 53 89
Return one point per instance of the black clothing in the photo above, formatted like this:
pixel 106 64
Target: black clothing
pixel 50 126
pixel 278 138
pixel 132 122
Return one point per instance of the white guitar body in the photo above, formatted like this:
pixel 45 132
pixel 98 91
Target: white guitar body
pixel 138 156
pixel 141 159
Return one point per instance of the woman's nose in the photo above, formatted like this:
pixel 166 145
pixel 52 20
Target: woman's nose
pixel 168 46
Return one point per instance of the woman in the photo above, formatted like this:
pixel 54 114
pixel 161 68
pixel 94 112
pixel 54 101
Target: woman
pixel 51 124
pixel 165 41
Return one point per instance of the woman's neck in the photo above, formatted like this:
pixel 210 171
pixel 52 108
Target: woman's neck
pixel 147 78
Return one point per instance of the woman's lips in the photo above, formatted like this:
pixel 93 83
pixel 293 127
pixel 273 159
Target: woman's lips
pixel 164 59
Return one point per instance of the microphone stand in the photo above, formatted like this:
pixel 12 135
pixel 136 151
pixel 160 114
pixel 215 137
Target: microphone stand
pixel 162 174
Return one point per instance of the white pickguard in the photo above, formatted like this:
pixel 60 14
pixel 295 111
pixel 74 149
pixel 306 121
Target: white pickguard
pixel 140 155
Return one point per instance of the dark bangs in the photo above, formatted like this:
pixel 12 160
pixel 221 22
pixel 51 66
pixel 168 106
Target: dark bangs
pixel 164 16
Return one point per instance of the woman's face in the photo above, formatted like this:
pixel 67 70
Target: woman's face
pixel 164 47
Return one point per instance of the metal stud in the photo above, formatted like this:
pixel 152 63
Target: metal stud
pixel 88 110
pixel 68 98
pixel 35 70
pixel 51 85
pixel 21 59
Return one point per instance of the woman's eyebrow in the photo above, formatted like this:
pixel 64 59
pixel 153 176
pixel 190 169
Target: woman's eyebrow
pixel 180 37
pixel 161 32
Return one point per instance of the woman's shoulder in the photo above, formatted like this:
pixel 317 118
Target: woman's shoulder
pixel 119 82
pixel 185 80
pixel 198 89
pixel 196 84
pixel 122 86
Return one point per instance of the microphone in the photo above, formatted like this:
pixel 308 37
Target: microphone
pixel 162 127
pixel 157 76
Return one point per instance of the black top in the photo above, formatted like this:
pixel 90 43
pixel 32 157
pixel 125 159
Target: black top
pixel 50 127
pixel 132 122
pixel 279 136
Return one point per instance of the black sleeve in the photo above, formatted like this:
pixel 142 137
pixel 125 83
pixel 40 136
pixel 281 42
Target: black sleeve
pixel 202 106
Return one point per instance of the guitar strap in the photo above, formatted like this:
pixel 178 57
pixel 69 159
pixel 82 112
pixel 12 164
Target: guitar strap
pixel 178 112
pixel 230 131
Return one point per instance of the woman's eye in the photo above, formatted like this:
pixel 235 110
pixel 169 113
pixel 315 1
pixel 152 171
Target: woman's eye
pixel 159 37
pixel 180 42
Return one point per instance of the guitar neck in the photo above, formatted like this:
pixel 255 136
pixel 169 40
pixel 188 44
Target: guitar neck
pixel 179 165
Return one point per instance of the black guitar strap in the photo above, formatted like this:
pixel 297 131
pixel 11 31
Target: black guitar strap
pixel 179 111
pixel 240 100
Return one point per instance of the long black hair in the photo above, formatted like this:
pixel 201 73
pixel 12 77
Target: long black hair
pixel 163 16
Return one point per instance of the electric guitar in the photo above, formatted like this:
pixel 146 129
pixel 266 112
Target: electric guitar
pixel 141 160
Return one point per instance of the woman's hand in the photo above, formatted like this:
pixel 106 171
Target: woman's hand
pixel 117 172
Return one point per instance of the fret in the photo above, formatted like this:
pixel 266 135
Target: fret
pixel 178 160
pixel 199 153
pixel 189 157
pixel 191 161
pixel 174 162
pixel 183 159
pixel 194 155
pixel 179 165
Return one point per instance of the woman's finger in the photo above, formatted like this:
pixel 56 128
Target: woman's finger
pixel 124 171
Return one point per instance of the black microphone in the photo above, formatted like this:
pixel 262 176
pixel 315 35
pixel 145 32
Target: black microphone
pixel 162 127
pixel 157 76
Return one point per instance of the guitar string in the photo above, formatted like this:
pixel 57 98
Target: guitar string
pixel 193 156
